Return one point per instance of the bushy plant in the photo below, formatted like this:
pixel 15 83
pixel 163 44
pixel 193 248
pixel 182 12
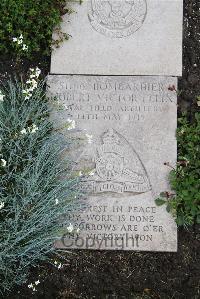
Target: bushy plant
pixel 26 26
pixel 185 179
pixel 33 197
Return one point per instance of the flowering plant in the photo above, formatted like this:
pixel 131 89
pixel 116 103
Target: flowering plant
pixel 184 201
pixel 33 198
pixel 24 31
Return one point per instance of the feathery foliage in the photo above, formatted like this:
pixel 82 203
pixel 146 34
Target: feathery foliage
pixel 32 195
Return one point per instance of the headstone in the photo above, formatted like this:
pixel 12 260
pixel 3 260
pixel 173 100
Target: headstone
pixel 119 37
pixel 130 121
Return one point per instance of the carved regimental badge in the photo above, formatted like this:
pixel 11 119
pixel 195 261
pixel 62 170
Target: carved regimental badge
pixel 118 168
pixel 117 18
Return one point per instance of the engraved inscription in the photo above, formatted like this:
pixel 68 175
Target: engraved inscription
pixel 122 162
pixel 118 167
pixel 117 18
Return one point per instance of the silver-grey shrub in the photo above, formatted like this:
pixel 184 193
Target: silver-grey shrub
pixel 30 184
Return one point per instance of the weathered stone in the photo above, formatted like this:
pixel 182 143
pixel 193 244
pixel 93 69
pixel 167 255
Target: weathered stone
pixel 119 37
pixel 132 121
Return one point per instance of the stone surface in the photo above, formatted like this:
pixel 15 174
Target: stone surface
pixel 132 121
pixel 141 37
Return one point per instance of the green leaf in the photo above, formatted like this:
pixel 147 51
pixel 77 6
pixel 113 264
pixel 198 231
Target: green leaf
pixel 160 202
pixel 168 208
pixel 198 219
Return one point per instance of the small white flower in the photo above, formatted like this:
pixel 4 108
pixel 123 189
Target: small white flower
pixel 19 41
pixel 1 97
pixel 34 128
pixel 27 93
pixel 30 286
pixel 57 265
pixel 37 282
pixel 27 97
pixel 37 71
pixel 15 39
pixel 56 201
pixel 30 90
pixel 2 204
pixel 80 173
pixel 23 131
pixel 65 106
pixel 21 36
pixel 24 47
pixel 89 138
pixel 92 172
pixel 71 124
pixel 70 228
pixel 3 162
pixel 29 81
pixel 34 82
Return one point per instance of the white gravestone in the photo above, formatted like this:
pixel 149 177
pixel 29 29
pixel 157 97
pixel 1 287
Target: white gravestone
pixel 132 121
pixel 121 37
pixel 114 78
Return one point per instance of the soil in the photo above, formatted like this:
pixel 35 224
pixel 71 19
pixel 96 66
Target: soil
pixel 134 275
pixel 122 275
